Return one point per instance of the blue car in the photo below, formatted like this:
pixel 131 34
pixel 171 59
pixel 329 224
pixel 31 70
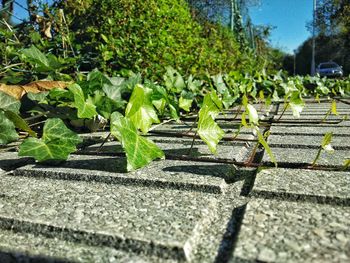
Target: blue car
pixel 329 69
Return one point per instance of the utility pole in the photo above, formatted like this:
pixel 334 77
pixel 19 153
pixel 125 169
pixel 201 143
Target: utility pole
pixel 294 64
pixel 313 40
pixel 233 11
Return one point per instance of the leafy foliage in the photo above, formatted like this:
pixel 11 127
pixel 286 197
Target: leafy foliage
pixel 7 130
pixel 139 150
pixel 140 110
pixel 208 129
pixel 56 143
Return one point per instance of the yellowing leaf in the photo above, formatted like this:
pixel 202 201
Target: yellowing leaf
pixel 334 108
pixel 18 91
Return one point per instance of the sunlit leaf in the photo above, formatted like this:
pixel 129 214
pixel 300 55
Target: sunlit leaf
pixel 267 148
pixel 140 109
pixel 85 108
pixel 334 108
pixel 139 150
pixel 56 143
pixel 185 104
pixel 208 129
pixel 252 114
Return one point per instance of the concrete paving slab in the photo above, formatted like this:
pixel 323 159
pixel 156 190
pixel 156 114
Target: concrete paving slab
pixel 277 231
pixel 308 185
pixel 28 247
pixel 308 130
pixel 138 219
pixel 301 123
pixel 311 117
pixel 298 155
pixel 338 142
pixel 162 174
pixel 181 147
pixel 230 128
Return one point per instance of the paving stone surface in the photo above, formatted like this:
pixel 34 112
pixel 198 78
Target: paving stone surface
pixel 194 207
pixel 307 140
pixel 307 155
pixel 299 184
pixel 139 219
pixel 185 175
pixel 280 231
pixel 182 147
pixel 309 130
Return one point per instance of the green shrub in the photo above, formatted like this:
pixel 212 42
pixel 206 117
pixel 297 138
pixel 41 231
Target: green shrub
pixel 146 36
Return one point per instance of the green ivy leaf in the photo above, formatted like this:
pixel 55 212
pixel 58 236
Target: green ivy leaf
pixel 37 58
pixel 19 122
pixel 56 143
pixel 86 110
pixel 263 142
pixel 252 114
pixel 326 142
pixel 140 109
pixel 173 80
pixel 185 103
pixel 139 150
pixel 9 103
pixel 346 164
pixel 7 130
pixel 208 129
pixel 334 108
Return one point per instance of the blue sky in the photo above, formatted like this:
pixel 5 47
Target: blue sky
pixel 289 17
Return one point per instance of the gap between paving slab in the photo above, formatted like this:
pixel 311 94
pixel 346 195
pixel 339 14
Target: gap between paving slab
pixel 171 174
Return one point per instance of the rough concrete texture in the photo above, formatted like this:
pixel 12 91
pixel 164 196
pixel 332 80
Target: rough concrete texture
pixel 280 231
pixel 151 221
pixel 199 209
pixel 185 175
pixel 182 147
pixel 299 184
pixel 338 142
pixel 307 155
pixel 309 130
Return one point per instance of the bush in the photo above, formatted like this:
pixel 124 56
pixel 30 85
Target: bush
pixel 145 36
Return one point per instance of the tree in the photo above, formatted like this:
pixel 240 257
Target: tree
pixel 7 10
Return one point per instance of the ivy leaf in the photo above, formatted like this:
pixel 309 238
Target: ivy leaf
pixel 173 80
pixel 140 109
pixel 56 143
pixel 334 108
pixel 19 122
pixel 263 142
pixel 326 142
pixel 208 129
pixel 86 110
pixel 346 164
pixel 37 58
pixel 139 150
pixel 252 114
pixel 9 103
pixel 7 130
